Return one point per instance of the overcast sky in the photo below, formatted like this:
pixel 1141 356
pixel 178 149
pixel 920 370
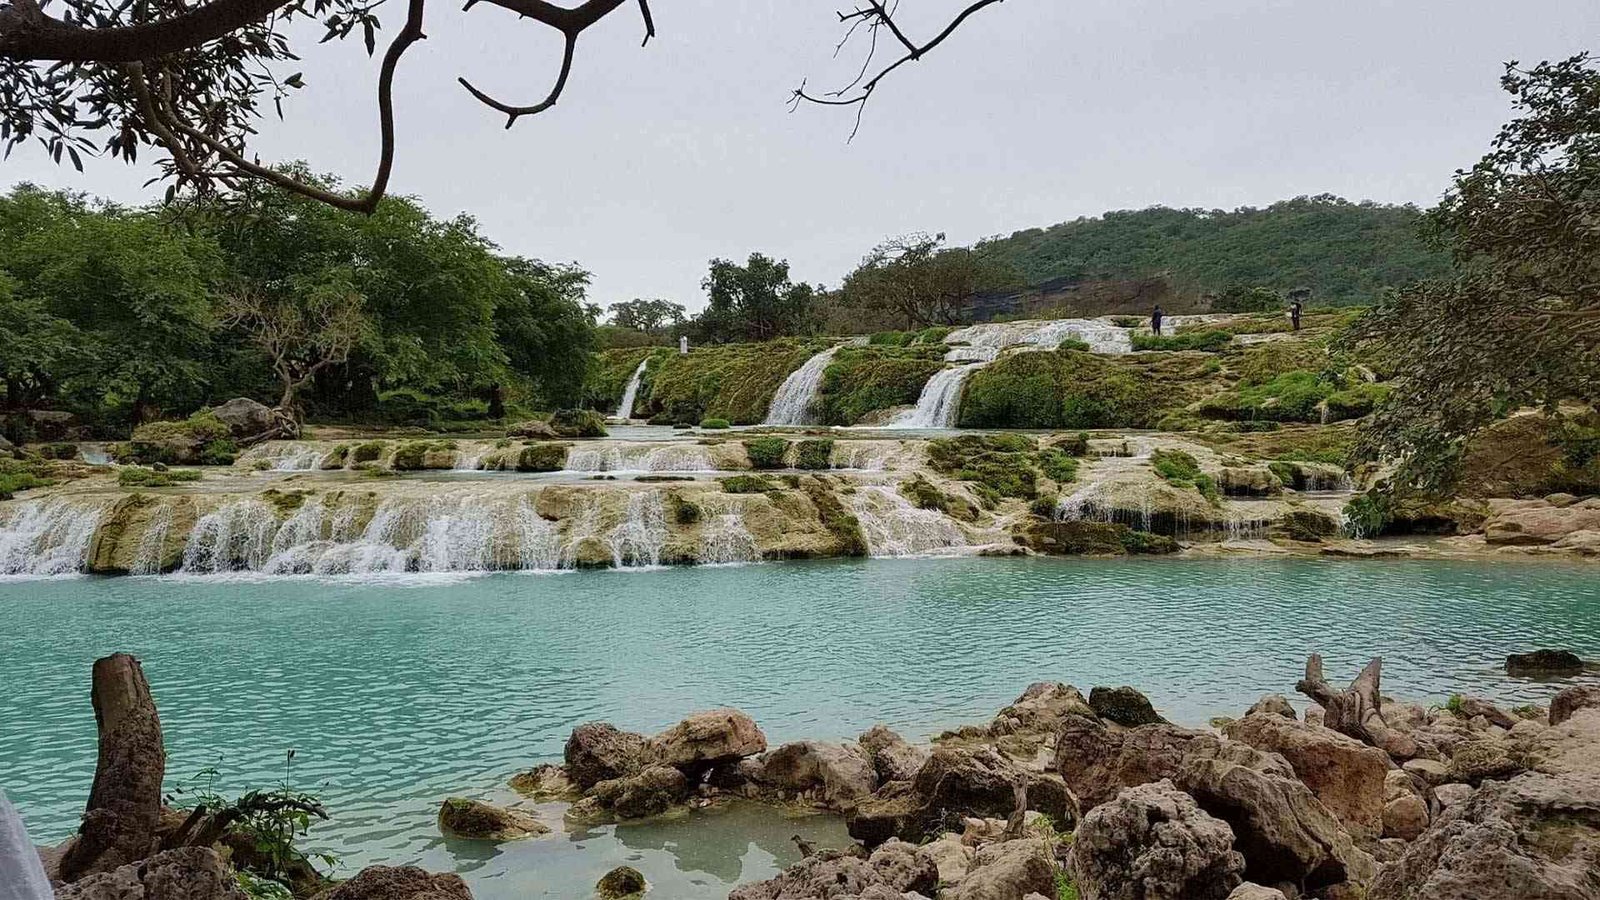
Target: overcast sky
pixel 1037 111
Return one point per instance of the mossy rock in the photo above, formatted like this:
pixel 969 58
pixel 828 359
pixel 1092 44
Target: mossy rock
pixel 335 458
pixel 371 451
pixel 861 381
pixel 814 454
pixel 414 456
pixel 1308 525
pixel 621 882
pixel 925 495
pixel 716 424
pixel 734 382
pixel 748 484
pixel 201 439
pixel 578 423
pixel 1092 539
pixel 683 511
pixel 840 522
pixel 546 457
pixel 767 452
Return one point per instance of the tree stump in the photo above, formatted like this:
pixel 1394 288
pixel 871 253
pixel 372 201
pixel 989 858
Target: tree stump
pixel 1358 710
pixel 119 822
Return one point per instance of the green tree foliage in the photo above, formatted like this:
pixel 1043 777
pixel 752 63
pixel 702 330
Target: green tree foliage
pixel 1518 322
pixel 754 302
pixel 647 315
pixel 918 281
pixel 1342 252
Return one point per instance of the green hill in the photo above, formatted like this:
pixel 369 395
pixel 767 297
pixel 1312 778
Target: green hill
pixel 1343 252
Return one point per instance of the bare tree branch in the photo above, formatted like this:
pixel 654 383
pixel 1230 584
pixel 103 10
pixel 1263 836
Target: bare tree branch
pixel 514 112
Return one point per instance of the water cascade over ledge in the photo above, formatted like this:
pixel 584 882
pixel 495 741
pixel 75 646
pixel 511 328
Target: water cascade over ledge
pixel 791 405
pixel 631 392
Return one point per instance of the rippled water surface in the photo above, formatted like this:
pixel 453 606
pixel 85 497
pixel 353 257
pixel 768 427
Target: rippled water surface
pixel 397 694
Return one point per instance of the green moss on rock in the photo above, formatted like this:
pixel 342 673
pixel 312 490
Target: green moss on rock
pixel 864 380
pixel 542 457
pixel 814 454
pixel 767 452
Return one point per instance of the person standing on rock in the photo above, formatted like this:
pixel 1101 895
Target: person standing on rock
pixel 1294 314
pixel 1155 320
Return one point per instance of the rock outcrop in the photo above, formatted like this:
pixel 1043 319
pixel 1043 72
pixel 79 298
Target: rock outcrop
pixel 1097 762
pixel 598 751
pixel 705 739
pixel 1007 870
pixel 476 820
pixel 650 792
pixel 833 875
pixel 953 784
pixel 1124 706
pixel 1569 701
pixel 1343 773
pixel 892 757
pixel 1153 842
pixel 835 776
pixel 190 873
pixel 398 883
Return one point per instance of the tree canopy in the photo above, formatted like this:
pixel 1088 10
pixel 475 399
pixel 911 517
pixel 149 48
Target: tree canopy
pixel 754 302
pixel 1517 322
pixel 921 282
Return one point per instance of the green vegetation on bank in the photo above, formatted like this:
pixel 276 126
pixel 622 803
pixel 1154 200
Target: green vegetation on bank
pixel 999 466
pixel 1342 252
pixel 735 382
pixel 863 380
pixel 1181 469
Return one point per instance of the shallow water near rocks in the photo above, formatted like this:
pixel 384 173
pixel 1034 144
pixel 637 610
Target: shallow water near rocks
pixel 398 692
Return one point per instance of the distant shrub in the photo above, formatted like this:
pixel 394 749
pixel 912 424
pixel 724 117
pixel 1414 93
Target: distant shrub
pixel 814 454
pixel 766 452
pixel 1181 469
pixel 715 424
pixel 578 423
pixel 371 451
pixel 892 338
pixel 684 512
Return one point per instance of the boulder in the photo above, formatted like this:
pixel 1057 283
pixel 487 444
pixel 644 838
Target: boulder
pixel 244 417
pixel 1572 747
pixel 1473 707
pixel 1452 794
pixel 398 883
pixel 1007 870
pixel 834 874
pixel 1124 706
pixel 1569 701
pixel 1343 773
pixel 651 792
pixel 1284 832
pixel 188 873
pixel 534 429
pixel 952 855
pixel 52 425
pixel 836 776
pixel 1476 761
pixel 1237 481
pixel 1252 891
pixel 598 751
pixel 1040 709
pixel 1536 523
pixel 1273 704
pixel 1535 836
pixel 1096 762
pixel 476 820
pixel 1153 842
pixel 892 758
pixel 705 739
pixel 623 881
pixel 954 784
pixel 1430 770
pixel 546 782
pixel 1405 806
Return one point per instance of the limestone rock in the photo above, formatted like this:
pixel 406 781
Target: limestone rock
pixel 953 784
pixel 1040 709
pixel 398 883
pixel 623 881
pixel 706 739
pixel 1273 704
pixel 837 776
pixel 189 873
pixel 1537 522
pixel 1573 747
pixel 952 855
pixel 834 874
pixel 535 429
pixel 1452 794
pixel 892 757
pixel 598 751
pixel 1430 770
pixel 1124 705
pixel 244 417
pixel 1345 774
pixel 1251 891
pixel 1097 763
pixel 1284 832
pixel 1569 701
pixel 477 820
pixel 1007 870
pixel 1535 836
pixel 1476 761
pixel 649 793
pixel 1153 842
pixel 546 782
pixel 1405 805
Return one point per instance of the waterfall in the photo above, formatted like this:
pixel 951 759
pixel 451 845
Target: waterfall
pixel 237 537
pixel 893 526
pixel 791 405
pixel 680 457
pixel 725 539
pixel 636 542
pixel 1244 527
pixel 149 555
pixel 470 459
pixel 940 399
pixel 47 537
pixel 866 456
pixel 631 392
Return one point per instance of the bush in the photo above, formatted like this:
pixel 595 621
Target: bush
pixel 933 335
pixel 766 452
pixel 1180 469
pixel 1368 514
pixel 21 475
pixel 814 454
pixel 542 458
pixel 1058 466
pixel 578 423
pixel 134 476
pixel 715 424
pixel 1072 343
pixel 1209 341
pixel 748 484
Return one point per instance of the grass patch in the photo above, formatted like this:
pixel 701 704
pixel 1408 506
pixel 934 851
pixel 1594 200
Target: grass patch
pixel 766 452
pixel 136 476
pixel 715 424
pixel 1210 341
pixel 814 454
pixel 926 495
pixel 1058 465
pixel 1071 390
pixel 17 476
pixel 1182 470
pixel 748 484
pixel 997 466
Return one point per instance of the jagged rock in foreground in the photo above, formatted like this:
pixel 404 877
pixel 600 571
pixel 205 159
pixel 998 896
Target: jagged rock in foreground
pixel 892 758
pixel 955 783
pixel 832 874
pixel 1535 836
pixel 1252 891
pixel 1007 870
pixel 192 873
pixel 1153 842
pixel 1569 701
pixel 1098 762
pixel 1124 706
pixel 706 739
pixel 477 820
pixel 397 883
pixel 1346 775
pixel 599 751
pixel 833 776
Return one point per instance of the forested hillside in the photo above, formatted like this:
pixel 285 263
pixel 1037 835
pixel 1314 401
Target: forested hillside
pixel 1343 252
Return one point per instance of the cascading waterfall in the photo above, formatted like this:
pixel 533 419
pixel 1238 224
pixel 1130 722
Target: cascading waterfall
pixel 470 459
pixel 297 458
pixel 147 558
pixel 865 456
pixel 637 541
pixel 893 526
pixel 631 392
pixel 624 458
pixel 791 405
pixel 979 345
pixel 47 537
pixel 724 537
pixel 1242 526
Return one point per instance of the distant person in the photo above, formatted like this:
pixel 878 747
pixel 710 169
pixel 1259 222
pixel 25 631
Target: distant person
pixel 1294 314
pixel 1155 320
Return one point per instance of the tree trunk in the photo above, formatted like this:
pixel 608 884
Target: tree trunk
pixel 1358 710
pixel 141 406
pixel 119 822
pixel 497 402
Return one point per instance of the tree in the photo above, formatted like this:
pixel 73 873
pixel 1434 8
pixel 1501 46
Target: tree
pixel 1519 321
pixel 546 332
pixel 754 302
pixel 647 315
pixel 301 332
pixel 1238 298
pixel 923 282
pixel 192 79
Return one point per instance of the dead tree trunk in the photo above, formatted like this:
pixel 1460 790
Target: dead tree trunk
pixel 1358 710
pixel 124 806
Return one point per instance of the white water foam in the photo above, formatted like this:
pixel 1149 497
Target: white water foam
pixel 631 392
pixel 791 405
pixel 47 537
pixel 895 527
pixel 681 457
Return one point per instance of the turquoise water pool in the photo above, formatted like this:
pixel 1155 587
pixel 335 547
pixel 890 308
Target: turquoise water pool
pixel 395 694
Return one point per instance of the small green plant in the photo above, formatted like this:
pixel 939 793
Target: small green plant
pixel 748 484
pixel 1065 889
pixel 714 424
pixel 1181 469
pixel 1209 341
pixel 684 512
pixel 766 452
pixel 136 476
pixel 1367 515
